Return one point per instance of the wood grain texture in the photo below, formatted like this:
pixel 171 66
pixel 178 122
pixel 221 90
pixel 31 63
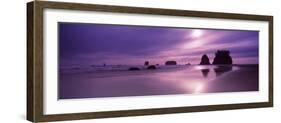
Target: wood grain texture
pixel 30 88
pixel 270 60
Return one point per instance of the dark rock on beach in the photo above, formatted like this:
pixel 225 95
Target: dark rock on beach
pixel 222 57
pixel 205 60
pixel 170 63
pixel 134 68
pixel 146 63
pixel 151 67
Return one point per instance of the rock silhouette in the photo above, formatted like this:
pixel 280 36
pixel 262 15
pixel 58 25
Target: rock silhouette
pixel 134 68
pixel 170 63
pixel 146 63
pixel 205 60
pixel 151 67
pixel 222 57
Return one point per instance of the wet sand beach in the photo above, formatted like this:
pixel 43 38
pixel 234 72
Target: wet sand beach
pixel 185 79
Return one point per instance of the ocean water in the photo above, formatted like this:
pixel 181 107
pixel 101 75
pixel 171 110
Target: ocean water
pixel 118 81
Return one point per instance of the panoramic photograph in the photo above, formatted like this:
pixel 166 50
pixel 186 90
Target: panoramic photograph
pixel 107 60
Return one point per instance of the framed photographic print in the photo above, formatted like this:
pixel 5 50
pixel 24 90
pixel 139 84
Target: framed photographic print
pixel 96 61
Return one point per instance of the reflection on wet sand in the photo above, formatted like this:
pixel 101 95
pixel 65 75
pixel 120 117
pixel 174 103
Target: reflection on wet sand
pixel 219 70
pixel 222 69
pixel 186 80
pixel 205 72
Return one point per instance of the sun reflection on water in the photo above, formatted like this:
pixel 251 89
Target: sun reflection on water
pixel 195 79
pixel 194 87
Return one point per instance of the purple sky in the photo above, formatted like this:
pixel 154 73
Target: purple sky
pixel 95 44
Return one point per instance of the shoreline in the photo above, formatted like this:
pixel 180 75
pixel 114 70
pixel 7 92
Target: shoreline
pixel 194 79
pixel 161 69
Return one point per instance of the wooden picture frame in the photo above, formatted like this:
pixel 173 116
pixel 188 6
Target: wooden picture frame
pixel 35 61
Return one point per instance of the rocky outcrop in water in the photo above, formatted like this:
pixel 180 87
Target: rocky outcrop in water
pixel 151 67
pixel 146 63
pixel 134 68
pixel 222 57
pixel 205 60
pixel 170 63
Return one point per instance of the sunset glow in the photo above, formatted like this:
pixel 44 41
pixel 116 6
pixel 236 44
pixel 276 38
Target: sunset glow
pixel 88 44
pixel 197 33
pixel 104 60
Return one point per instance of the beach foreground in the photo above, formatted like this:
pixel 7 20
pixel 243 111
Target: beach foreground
pixel 184 79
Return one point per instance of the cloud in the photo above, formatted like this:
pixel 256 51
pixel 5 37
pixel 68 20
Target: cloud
pixel 116 44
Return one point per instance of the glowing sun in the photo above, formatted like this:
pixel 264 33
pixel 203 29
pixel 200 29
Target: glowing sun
pixel 197 33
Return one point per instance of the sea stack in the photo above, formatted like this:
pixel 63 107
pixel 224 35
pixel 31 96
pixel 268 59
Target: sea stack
pixel 133 68
pixel 205 60
pixel 151 67
pixel 146 63
pixel 170 63
pixel 222 57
